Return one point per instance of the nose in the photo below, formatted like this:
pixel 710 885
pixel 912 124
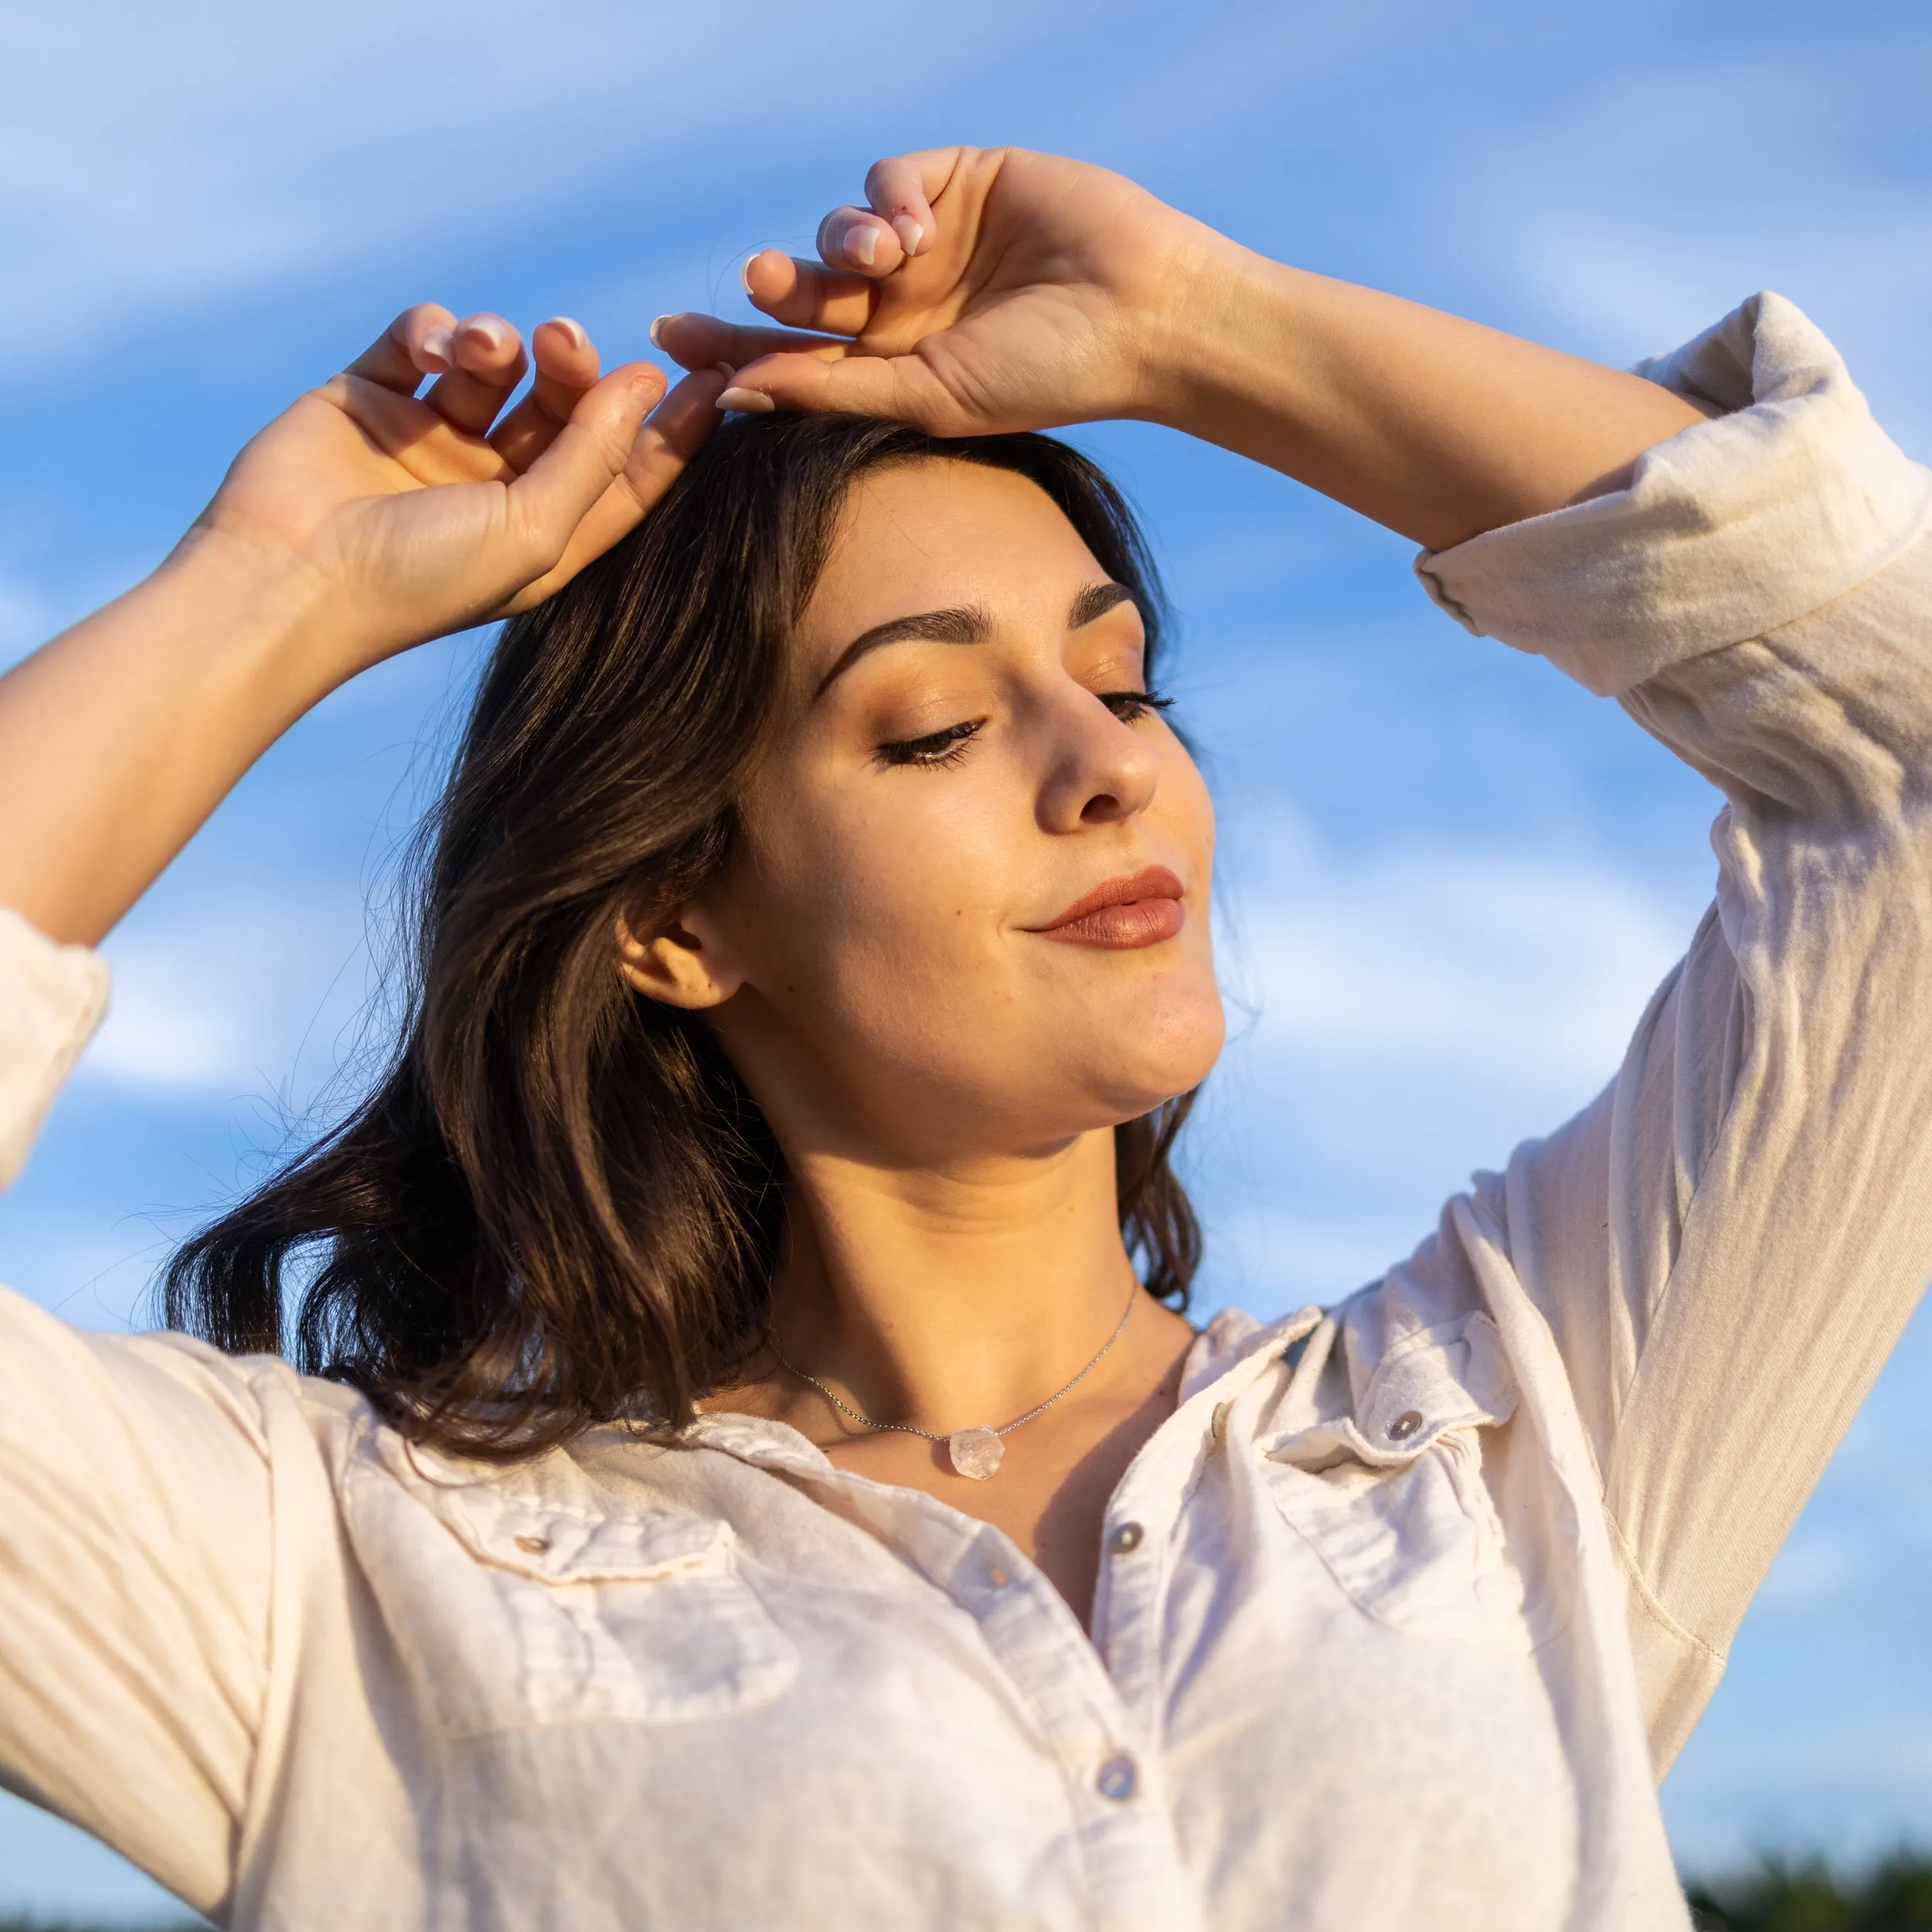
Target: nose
pixel 1100 771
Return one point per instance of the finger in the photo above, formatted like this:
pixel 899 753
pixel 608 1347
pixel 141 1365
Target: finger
pixel 416 344
pixel 674 432
pixel 566 367
pixel 552 497
pixel 804 295
pixel 859 242
pixel 902 387
pixel 676 429
pixel 429 449
pixel 490 362
pixel 901 191
pixel 695 341
pixel 567 363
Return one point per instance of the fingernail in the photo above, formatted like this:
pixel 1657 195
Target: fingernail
pixel 578 335
pixel 861 242
pixel 491 333
pixel 910 232
pixel 744 270
pixel 657 340
pixel 725 369
pixel 439 345
pixel 747 402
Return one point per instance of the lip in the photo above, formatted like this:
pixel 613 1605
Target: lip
pixel 1139 909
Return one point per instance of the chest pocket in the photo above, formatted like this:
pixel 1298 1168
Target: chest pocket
pixel 517 1600
pixel 1392 1499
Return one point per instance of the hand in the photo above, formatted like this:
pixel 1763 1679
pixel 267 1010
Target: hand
pixel 361 521
pixel 982 290
pixel 389 519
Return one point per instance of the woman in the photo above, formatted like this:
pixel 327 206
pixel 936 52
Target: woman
pixel 752 1485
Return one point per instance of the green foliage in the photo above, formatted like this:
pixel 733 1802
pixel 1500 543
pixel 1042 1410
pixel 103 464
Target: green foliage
pixel 1894 1896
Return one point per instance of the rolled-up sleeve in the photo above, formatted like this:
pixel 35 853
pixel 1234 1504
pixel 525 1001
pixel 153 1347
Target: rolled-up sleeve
pixel 52 998
pixel 1728 1243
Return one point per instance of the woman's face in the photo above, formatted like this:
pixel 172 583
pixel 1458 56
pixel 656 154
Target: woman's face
pixel 961 761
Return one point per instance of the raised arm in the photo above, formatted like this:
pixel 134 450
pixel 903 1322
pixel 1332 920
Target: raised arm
pixel 155 1497
pixel 1718 1253
pixel 360 521
pixel 1043 291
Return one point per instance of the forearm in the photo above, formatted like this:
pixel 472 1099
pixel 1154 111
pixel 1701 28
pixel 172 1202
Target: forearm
pixel 1437 427
pixel 119 737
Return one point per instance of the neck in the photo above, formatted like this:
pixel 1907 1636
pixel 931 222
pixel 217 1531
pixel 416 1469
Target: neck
pixel 951 1299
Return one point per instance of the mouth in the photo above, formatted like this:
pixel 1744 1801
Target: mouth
pixel 1142 909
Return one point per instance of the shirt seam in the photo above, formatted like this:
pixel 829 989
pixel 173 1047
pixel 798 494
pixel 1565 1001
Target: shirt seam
pixel 1634 1575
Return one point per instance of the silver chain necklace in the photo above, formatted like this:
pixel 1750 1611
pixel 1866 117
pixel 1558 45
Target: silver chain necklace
pixel 975 1452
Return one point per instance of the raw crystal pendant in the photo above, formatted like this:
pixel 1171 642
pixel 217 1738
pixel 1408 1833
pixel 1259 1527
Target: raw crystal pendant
pixel 975 1452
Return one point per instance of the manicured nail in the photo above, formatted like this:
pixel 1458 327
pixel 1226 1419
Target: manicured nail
pixel 909 232
pixel 493 335
pixel 439 347
pixel 861 242
pixel 744 269
pixel 747 402
pixel 579 337
pixel 656 339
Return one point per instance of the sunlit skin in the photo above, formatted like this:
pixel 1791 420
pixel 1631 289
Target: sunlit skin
pixel 943 1070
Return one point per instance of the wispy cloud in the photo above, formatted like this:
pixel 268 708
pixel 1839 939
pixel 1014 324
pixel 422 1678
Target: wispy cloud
pixel 1430 977
pixel 153 158
pixel 1528 967
pixel 1663 191
pixel 1412 1014
pixel 265 998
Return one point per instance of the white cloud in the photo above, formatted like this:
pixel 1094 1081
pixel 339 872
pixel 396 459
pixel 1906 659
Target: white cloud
pixel 261 997
pixel 1525 966
pixel 155 158
pixel 151 157
pixel 1415 1013
pixel 1667 190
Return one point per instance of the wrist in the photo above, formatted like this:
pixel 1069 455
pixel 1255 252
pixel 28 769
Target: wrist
pixel 1226 342
pixel 250 616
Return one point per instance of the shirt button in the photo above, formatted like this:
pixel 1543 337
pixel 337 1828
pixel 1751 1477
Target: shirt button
pixel 1405 1425
pixel 1218 1427
pixel 536 1546
pixel 1126 1539
pixel 1118 1778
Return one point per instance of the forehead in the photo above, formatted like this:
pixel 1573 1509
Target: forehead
pixel 934 534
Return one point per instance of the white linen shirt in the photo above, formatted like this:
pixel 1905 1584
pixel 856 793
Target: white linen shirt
pixel 1401 1612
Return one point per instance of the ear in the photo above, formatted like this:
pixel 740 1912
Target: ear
pixel 682 960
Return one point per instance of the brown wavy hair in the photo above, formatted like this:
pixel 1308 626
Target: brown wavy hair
pixel 559 1206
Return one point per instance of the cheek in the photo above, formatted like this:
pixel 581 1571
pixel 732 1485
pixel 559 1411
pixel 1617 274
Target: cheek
pixel 878 926
pixel 1184 811
pixel 876 901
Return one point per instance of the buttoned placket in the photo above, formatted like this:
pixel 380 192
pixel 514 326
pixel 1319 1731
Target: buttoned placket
pixel 1097 1703
pixel 1141 1526
pixel 1123 1830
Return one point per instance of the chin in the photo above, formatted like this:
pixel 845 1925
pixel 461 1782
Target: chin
pixel 1150 1058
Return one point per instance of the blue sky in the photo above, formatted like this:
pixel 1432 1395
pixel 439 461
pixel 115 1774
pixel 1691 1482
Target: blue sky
pixel 1450 880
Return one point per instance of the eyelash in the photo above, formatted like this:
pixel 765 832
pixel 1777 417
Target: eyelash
pixel 948 748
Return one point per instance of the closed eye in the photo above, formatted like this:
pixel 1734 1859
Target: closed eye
pixel 948 748
pixel 1128 705
pixel 945 748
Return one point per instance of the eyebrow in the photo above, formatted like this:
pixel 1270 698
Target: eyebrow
pixel 964 624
